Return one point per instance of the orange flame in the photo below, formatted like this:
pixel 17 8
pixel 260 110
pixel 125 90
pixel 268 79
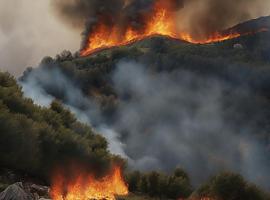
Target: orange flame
pixel 85 187
pixel 161 21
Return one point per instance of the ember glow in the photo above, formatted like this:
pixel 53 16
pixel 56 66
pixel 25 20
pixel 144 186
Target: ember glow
pixel 161 21
pixel 85 186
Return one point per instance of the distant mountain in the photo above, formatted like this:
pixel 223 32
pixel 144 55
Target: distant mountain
pixel 262 23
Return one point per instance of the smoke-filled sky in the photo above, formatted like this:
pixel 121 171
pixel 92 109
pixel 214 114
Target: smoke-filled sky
pixel 29 31
pixel 208 13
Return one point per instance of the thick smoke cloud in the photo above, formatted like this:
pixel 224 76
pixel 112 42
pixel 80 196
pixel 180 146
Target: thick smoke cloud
pixel 78 12
pixel 203 17
pixel 28 32
pixel 182 119
pixel 169 119
pixel 198 17
pixel 85 14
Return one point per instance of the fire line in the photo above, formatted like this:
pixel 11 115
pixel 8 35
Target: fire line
pixel 160 22
pixel 86 186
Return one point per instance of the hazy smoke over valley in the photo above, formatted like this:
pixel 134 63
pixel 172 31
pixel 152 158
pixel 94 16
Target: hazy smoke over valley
pixel 169 119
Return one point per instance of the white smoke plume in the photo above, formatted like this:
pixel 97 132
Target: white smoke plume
pixel 85 110
pixel 28 32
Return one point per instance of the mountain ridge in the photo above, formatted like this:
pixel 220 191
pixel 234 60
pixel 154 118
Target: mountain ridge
pixel 250 27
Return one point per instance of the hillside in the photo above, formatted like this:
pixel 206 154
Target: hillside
pixel 241 64
pixel 241 60
pixel 161 53
pixel 163 103
pixel 251 25
pixel 34 140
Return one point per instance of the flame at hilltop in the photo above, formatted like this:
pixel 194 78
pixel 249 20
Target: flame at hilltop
pixel 161 21
pixel 86 186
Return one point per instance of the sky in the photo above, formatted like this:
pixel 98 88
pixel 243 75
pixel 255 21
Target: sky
pixel 31 30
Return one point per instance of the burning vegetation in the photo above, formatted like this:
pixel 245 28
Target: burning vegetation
pixel 160 20
pixel 84 186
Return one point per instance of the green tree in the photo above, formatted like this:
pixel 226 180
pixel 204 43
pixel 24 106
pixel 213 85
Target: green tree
pixel 34 139
pixel 230 186
pixel 133 180
pixel 143 184
pixel 153 183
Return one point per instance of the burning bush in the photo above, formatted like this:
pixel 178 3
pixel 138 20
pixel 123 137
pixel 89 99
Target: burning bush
pixel 82 185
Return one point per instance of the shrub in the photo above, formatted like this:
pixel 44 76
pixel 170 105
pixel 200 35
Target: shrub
pixel 230 186
pixel 35 139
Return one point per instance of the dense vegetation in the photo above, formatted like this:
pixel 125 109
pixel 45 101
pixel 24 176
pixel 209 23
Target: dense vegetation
pixel 247 67
pixel 229 186
pixel 34 139
pixel 157 184
pixel 223 186
pixel 93 73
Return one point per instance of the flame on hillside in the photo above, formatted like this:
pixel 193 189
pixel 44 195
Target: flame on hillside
pixel 161 21
pixel 86 186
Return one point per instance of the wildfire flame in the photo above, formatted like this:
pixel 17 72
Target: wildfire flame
pixel 161 21
pixel 86 187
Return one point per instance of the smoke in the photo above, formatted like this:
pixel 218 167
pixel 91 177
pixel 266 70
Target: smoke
pixel 78 13
pixel 85 14
pixel 197 17
pixel 203 17
pixel 169 119
pixel 184 119
pixel 47 82
pixel 28 31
